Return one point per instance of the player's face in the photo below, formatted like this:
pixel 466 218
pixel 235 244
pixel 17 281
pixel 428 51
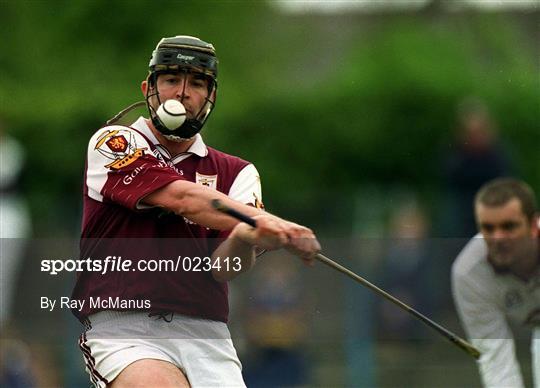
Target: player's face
pixel 507 232
pixel 191 89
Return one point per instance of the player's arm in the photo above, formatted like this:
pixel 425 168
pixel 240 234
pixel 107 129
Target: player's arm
pixel 122 169
pixel 271 232
pixel 241 244
pixel 487 329
pixel 193 201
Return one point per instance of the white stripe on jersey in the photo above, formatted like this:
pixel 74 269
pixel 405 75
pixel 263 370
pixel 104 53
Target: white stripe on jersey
pixel 247 186
pixel 95 178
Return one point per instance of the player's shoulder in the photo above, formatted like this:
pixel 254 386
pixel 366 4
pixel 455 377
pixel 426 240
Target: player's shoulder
pixel 116 144
pixel 118 139
pixel 224 158
pixel 472 260
pixel 118 131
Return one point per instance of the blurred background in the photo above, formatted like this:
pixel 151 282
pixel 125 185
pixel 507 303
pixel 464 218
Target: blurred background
pixel 374 122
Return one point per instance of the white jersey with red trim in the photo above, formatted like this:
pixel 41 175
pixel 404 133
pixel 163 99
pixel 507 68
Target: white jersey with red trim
pixel 486 301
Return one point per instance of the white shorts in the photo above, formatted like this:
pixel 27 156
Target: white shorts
pixel 200 348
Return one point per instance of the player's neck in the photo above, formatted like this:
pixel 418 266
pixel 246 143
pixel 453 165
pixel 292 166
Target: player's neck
pixel 173 147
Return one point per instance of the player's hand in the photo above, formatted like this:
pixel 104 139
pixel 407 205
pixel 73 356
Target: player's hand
pixel 302 242
pixel 270 233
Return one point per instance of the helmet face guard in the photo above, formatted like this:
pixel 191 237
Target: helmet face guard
pixel 182 54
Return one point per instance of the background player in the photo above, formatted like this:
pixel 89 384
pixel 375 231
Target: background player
pixel 497 277
pixel 146 182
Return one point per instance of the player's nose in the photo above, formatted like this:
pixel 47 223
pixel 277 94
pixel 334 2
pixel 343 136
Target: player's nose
pixel 183 90
pixel 499 234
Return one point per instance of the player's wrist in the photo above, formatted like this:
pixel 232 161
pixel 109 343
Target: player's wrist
pixel 244 234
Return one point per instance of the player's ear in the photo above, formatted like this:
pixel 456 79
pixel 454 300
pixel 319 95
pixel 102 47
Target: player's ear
pixel 144 87
pixel 535 226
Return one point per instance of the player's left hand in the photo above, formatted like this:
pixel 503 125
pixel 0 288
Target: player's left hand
pixel 302 242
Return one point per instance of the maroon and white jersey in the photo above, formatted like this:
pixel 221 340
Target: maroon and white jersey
pixel 124 164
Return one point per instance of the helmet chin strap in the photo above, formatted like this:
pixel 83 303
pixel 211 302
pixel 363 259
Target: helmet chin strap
pixel 185 132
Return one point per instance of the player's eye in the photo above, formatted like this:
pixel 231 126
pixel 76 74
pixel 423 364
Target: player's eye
pixel 172 80
pixel 509 226
pixel 487 228
pixel 198 82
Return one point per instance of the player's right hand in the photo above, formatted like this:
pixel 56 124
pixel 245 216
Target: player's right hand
pixel 270 233
pixel 274 233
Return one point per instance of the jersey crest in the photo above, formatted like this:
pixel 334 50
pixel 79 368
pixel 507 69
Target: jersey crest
pixel 206 180
pixel 120 146
pixel 117 143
